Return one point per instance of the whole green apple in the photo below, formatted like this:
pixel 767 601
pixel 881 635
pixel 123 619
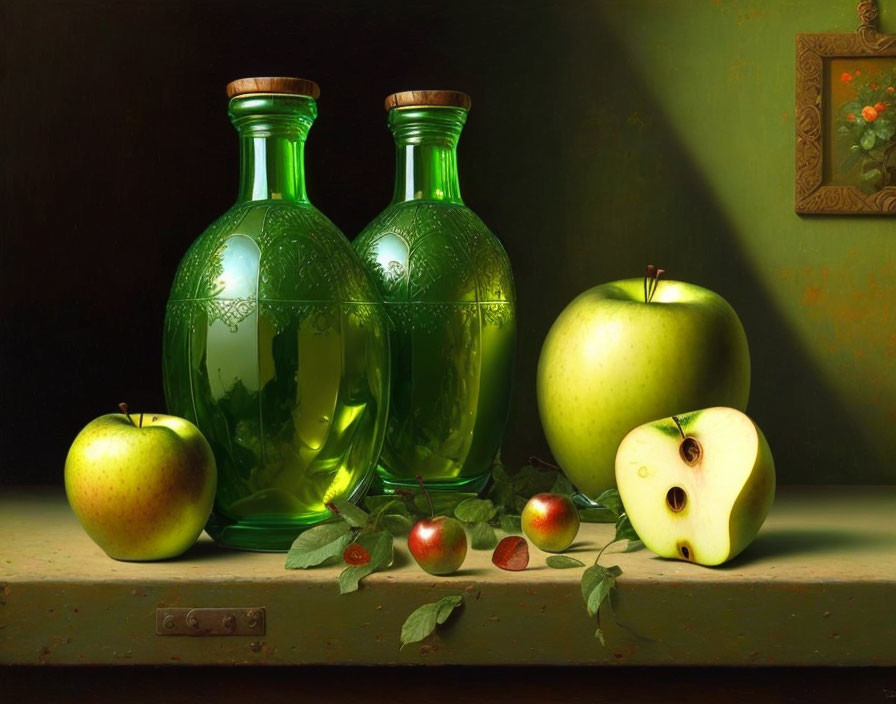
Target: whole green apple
pixel 142 491
pixel 625 353
pixel 698 486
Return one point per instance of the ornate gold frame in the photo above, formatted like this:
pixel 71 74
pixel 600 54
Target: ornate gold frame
pixel 811 51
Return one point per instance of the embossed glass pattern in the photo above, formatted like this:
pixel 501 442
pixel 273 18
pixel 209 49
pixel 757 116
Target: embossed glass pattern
pixel 275 343
pixel 449 293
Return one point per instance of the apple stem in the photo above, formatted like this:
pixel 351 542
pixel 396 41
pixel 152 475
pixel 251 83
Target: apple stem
pixel 678 425
pixel 124 409
pixel 432 511
pixel 141 420
pixel 647 277
pixel 652 281
pixel 537 461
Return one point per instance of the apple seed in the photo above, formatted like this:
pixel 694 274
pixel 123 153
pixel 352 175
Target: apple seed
pixel 676 499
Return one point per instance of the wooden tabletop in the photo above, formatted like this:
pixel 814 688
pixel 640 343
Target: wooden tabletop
pixel 817 587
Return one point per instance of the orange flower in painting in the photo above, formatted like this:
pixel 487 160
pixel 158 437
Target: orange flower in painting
pixel 869 113
pixel 845 77
pixel 891 89
pixel 857 74
pixel 850 117
pixel 880 107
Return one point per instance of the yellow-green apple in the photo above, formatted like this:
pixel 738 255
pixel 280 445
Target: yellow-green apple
pixel 438 543
pixel 141 490
pixel 625 353
pixel 697 486
pixel 550 521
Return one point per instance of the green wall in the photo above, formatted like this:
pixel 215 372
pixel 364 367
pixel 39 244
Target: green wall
pixel 670 140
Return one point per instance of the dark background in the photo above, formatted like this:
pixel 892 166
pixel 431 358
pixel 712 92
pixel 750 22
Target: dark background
pixel 117 153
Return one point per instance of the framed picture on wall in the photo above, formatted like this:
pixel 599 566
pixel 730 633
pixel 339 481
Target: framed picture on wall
pixel 846 120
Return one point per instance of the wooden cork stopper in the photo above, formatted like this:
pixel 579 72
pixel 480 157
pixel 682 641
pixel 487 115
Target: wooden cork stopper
pixel 419 98
pixel 273 84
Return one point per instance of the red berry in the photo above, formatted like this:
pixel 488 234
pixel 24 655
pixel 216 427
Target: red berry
pixel 512 554
pixel 355 554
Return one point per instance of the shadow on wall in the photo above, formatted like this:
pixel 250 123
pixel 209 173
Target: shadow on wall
pixel 608 189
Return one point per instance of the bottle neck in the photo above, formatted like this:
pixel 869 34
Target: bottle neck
pixel 426 153
pixel 272 131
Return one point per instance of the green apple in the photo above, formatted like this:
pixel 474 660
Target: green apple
pixel 142 491
pixel 626 353
pixel 697 486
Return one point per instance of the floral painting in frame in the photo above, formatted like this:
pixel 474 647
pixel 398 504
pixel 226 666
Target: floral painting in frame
pixel 846 120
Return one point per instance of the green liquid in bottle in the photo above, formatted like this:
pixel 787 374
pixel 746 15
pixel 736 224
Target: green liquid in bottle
pixel 448 288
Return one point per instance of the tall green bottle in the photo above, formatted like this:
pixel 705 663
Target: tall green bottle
pixel 275 339
pixel 449 293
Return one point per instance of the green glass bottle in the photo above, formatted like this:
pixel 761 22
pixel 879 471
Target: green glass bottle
pixel 275 340
pixel 449 293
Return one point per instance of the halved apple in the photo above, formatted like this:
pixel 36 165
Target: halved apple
pixel 697 486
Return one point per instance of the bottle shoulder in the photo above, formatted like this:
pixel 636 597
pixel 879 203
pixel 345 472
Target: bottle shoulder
pixel 437 252
pixel 281 251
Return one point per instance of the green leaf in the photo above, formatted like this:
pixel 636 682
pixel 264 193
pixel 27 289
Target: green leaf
pixel 597 582
pixel 319 545
pixel 378 502
pixel 443 502
pixel 531 480
pixel 395 507
pixel 562 485
pixel 866 95
pixel 634 545
pixel 611 501
pixel 446 606
pixel 884 129
pixel 868 139
pixel 852 107
pixel 872 175
pixel 499 473
pixel 501 491
pixel 424 619
pixel 397 524
pixel 351 514
pixel 597 515
pixel 483 537
pixel 624 529
pixel 475 510
pixel 511 523
pixel 563 562
pixel 351 576
pixel 379 545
